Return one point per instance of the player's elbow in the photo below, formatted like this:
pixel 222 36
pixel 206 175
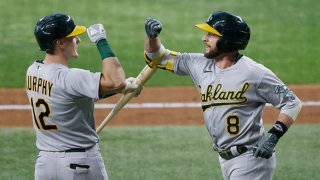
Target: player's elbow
pixel 114 84
pixel 294 111
pixel 119 84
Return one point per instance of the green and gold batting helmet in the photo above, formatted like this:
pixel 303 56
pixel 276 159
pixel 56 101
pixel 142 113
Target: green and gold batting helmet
pixel 54 27
pixel 233 30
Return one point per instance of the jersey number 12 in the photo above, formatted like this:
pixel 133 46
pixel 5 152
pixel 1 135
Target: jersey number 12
pixel 40 119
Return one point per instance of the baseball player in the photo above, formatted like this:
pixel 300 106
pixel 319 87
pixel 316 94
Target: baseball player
pixel 233 90
pixel 62 99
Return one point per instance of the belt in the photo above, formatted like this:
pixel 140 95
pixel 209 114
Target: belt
pixel 75 150
pixel 229 154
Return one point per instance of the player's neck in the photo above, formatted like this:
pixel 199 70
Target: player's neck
pixel 55 59
pixel 226 60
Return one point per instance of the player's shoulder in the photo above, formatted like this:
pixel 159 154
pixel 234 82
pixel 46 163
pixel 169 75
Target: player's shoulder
pixel 186 55
pixel 254 66
pixel 77 74
pixel 35 64
pixel 78 71
pixel 50 69
pixel 197 58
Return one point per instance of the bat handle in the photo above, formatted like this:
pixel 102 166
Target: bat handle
pixel 142 78
pixel 144 75
pixel 104 123
pixel 124 100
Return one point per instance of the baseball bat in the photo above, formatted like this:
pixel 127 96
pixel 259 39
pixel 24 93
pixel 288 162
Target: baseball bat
pixel 140 80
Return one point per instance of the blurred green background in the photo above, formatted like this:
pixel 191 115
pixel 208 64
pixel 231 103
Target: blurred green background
pixel 285 34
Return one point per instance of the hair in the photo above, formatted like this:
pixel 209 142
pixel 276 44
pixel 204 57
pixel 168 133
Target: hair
pixel 50 51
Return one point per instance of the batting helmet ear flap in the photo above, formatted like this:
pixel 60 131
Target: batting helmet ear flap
pixel 227 46
pixel 221 45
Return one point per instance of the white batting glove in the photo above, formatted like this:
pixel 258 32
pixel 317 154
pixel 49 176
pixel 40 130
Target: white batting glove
pixel 130 87
pixel 96 32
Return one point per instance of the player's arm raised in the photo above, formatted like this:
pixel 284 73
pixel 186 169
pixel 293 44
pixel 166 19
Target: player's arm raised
pixel 153 28
pixel 155 55
pixel 112 79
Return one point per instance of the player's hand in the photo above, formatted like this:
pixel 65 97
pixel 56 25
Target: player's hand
pixel 265 146
pixel 153 27
pixel 131 87
pixel 96 32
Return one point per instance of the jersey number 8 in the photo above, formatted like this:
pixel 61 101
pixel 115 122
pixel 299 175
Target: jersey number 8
pixel 233 125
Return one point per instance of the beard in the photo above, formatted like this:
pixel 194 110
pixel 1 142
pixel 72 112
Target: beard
pixel 212 53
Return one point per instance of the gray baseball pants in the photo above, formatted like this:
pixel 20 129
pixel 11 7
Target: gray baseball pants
pixel 70 165
pixel 246 166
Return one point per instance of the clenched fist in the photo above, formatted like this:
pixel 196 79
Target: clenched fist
pixel 153 27
pixel 96 32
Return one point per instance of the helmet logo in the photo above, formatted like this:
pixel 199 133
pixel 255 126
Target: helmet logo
pixel 218 22
pixel 239 19
pixel 68 18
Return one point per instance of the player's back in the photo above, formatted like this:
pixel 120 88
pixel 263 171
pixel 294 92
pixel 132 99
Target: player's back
pixel 63 115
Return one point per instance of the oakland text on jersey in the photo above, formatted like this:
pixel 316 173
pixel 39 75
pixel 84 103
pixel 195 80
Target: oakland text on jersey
pixel 223 97
pixel 38 84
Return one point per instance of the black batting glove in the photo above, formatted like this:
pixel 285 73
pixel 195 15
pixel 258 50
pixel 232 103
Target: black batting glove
pixel 265 146
pixel 153 27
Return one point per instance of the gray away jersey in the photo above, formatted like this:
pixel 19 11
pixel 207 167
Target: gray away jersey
pixel 62 101
pixel 233 98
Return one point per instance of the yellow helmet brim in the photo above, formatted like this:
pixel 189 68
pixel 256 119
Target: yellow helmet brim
pixel 77 31
pixel 206 27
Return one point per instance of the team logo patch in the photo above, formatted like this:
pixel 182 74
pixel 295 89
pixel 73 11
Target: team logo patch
pixel 285 91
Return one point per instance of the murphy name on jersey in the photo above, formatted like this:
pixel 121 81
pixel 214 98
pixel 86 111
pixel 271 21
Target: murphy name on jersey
pixel 37 84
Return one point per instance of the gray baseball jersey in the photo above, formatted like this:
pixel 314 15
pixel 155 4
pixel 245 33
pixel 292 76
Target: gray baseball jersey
pixel 233 98
pixel 62 101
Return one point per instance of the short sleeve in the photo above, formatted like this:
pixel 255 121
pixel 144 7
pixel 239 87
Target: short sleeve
pixel 81 82
pixel 272 90
pixel 184 63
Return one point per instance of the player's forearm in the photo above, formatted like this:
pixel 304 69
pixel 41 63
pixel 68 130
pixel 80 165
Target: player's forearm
pixel 285 119
pixel 152 44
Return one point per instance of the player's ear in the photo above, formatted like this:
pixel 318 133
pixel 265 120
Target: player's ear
pixel 60 43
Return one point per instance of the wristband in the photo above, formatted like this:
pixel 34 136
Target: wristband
pixel 104 49
pixel 278 129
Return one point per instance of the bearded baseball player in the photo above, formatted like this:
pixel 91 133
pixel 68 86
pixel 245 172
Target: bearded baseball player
pixel 233 90
pixel 62 100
